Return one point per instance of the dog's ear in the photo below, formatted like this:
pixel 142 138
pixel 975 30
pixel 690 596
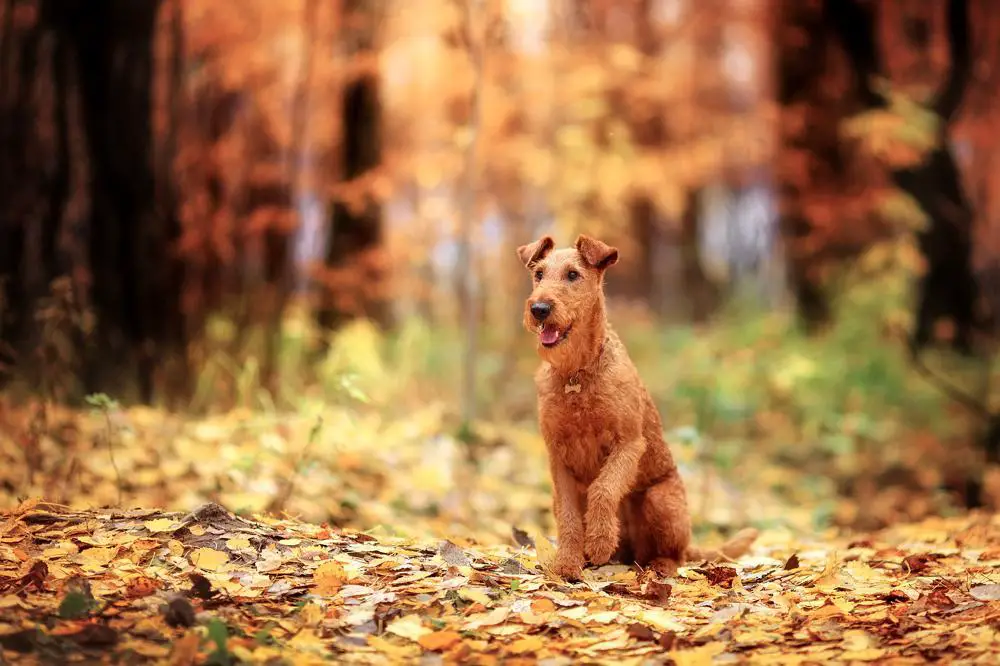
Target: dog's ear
pixel 597 254
pixel 532 253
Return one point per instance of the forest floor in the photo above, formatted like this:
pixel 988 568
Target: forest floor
pixel 426 558
pixel 210 587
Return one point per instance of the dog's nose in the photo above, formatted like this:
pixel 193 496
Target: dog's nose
pixel 540 311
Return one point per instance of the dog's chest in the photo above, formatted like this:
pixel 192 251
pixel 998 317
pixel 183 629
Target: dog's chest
pixel 579 428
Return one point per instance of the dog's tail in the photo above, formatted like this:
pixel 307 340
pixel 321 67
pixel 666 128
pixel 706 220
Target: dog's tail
pixel 737 546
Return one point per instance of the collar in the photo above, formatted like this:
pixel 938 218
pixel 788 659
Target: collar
pixel 573 384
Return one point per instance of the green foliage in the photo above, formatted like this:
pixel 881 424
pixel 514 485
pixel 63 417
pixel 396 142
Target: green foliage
pixel 76 605
pixel 218 634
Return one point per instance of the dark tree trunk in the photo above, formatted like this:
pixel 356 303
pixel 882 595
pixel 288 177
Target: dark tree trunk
pixel 356 236
pixel 948 288
pixel 131 260
pixel 101 64
pixel 21 181
pixel 810 139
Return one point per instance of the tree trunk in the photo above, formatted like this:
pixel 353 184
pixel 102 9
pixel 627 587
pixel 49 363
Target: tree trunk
pixel 354 263
pixel 97 190
pixel 948 288
pixel 809 154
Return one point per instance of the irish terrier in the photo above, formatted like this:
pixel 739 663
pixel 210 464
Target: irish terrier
pixel 617 492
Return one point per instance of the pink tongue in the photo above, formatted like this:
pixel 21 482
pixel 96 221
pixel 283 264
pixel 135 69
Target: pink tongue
pixel 549 335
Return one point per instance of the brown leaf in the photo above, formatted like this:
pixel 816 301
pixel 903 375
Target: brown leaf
pixel 522 538
pixel 185 650
pixel 668 640
pixel 178 612
pixel 94 635
pixel 453 555
pixel 23 641
pixel 658 592
pixel 918 563
pixel 939 599
pixel 792 563
pixel 721 576
pixel 641 632
pixel 36 576
pixel 143 586
pixel 201 587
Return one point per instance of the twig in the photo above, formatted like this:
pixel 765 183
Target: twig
pixel 279 501
pixel 111 455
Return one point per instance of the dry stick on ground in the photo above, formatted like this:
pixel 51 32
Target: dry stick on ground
pixel 278 504
pixel 105 405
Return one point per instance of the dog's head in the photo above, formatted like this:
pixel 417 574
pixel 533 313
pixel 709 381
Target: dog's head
pixel 567 298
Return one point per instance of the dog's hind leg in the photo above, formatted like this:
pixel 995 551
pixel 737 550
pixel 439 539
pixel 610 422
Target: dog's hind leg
pixel 662 526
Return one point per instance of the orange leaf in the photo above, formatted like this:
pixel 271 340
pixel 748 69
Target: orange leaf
pixel 439 640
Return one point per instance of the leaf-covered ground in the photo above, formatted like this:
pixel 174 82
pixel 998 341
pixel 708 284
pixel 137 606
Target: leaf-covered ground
pixel 210 587
pixel 356 537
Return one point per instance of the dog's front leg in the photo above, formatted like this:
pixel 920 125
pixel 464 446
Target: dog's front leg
pixel 569 521
pixel 604 497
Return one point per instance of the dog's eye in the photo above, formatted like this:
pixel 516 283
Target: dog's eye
pixel 538 276
pixel 572 276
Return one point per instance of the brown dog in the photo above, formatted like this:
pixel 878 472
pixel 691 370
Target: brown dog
pixel 616 487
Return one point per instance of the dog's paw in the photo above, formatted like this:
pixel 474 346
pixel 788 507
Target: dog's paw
pixel 664 566
pixel 600 547
pixel 568 564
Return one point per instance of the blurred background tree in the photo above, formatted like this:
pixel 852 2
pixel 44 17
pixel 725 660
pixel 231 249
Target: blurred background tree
pixel 206 206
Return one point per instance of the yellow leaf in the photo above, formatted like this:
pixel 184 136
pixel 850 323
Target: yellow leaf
pixel 699 656
pixel 329 577
pixel 477 595
pixel 238 543
pixel 843 604
pixel 99 555
pixel 661 619
pixel 209 559
pixel 545 552
pixel 397 652
pixel 526 645
pixel 439 640
pixel 408 626
pixel 868 654
pixel 161 525
pixel 197 530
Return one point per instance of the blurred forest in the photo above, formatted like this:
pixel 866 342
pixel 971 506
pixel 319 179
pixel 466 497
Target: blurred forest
pixel 284 232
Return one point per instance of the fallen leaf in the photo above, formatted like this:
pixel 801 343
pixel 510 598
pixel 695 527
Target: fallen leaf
pixel 408 626
pixel 990 592
pixel 98 556
pixel 526 645
pixel 161 525
pixel 329 577
pixel 522 538
pixel 641 632
pixel 178 612
pixel 439 640
pixel 453 555
pixel 209 559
